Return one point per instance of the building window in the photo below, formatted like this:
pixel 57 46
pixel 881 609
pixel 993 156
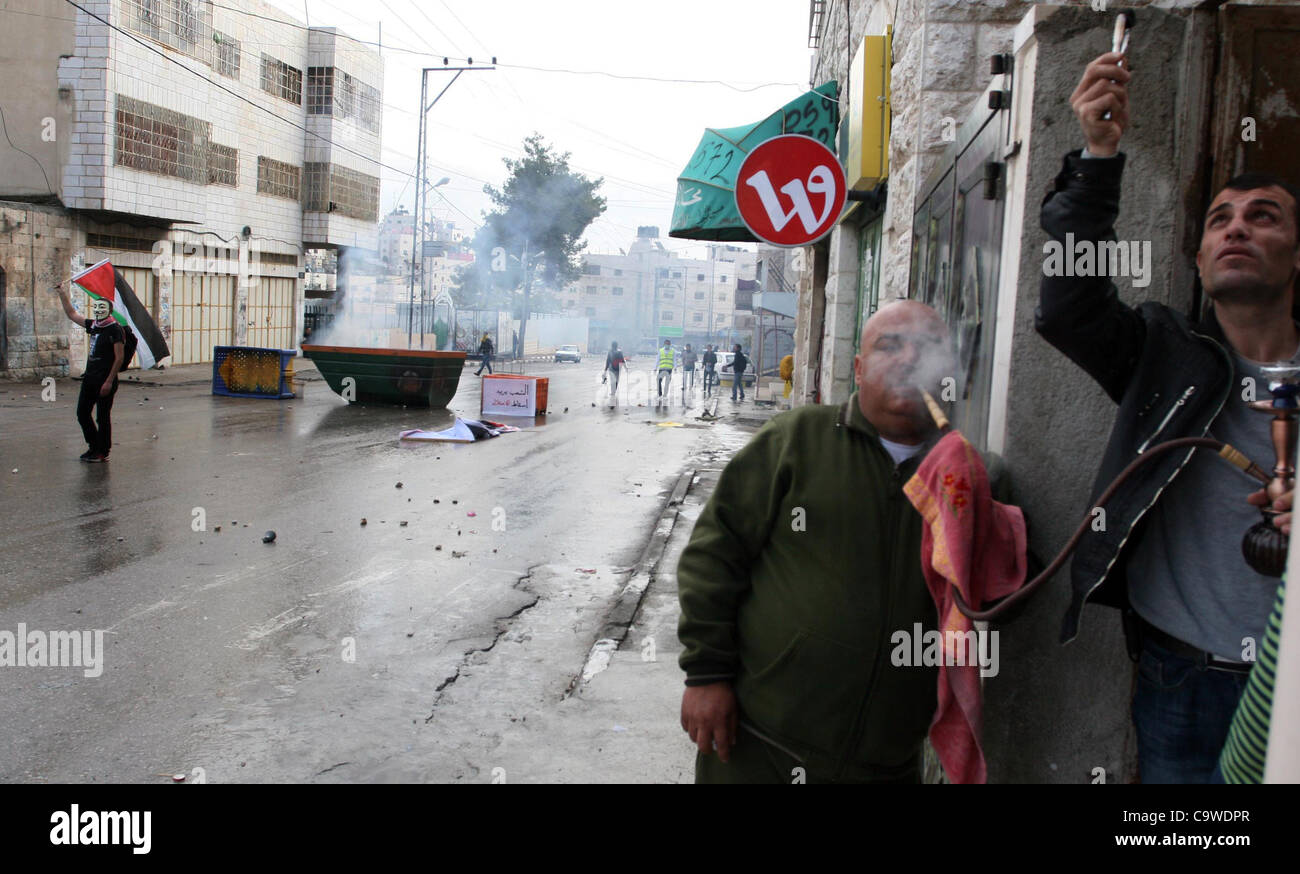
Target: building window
pixel 223 165
pixel 717 317
pixel 722 297
pixel 591 311
pixel 331 188
pixel 663 273
pixel 226 57
pixel 183 25
pixel 158 140
pixel 618 272
pixel 667 295
pixel 667 316
pixel 699 277
pixel 699 317
pixel 699 295
pixel 591 269
pixel 722 278
pixel 320 90
pixel 332 92
pixel 277 178
pixel 591 289
pixel 617 292
pixel 677 274
pixel 281 80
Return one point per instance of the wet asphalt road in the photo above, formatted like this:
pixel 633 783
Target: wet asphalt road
pixel 229 655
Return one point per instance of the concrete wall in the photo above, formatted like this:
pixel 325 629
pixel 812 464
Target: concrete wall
pixel 37 119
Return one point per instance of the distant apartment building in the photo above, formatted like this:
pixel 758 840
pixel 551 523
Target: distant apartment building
pixel 650 293
pixel 397 241
pixel 202 147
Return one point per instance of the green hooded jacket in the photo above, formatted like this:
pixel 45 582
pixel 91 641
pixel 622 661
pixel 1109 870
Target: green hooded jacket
pixel 804 562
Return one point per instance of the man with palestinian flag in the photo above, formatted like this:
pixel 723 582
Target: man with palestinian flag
pixel 120 322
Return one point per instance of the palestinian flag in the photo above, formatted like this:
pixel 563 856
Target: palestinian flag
pixel 104 281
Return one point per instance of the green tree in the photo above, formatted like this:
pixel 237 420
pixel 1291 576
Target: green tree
pixel 532 239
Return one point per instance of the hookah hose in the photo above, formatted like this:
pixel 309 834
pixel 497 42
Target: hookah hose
pixel 1225 451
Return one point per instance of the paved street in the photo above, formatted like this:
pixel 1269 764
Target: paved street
pixel 427 644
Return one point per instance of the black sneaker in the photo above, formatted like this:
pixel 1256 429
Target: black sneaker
pixel 97 457
pixel 85 456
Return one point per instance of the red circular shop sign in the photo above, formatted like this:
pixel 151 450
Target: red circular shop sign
pixel 790 190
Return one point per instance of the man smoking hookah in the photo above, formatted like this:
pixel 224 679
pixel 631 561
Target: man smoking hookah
pixel 1188 599
pixel 99 383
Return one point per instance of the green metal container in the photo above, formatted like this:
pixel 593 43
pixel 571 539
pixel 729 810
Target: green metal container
pixel 413 377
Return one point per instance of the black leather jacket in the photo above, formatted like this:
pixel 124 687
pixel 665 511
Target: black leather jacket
pixel 1170 377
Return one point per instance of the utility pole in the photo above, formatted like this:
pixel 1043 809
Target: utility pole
pixel 421 195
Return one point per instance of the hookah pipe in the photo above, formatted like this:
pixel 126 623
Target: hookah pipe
pixel 1264 545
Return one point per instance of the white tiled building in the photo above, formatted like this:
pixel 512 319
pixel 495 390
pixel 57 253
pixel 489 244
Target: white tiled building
pixel 202 148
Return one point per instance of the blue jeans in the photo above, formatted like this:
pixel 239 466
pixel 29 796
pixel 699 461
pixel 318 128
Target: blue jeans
pixel 738 384
pixel 1182 712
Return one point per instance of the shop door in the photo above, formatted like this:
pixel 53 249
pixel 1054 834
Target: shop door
pixel 202 315
pixel 271 312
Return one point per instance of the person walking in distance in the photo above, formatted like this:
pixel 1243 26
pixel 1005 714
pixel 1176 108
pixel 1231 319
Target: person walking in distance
pixel 614 361
pixel 739 364
pixel 689 360
pixel 105 360
pixel 710 362
pixel 665 370
pixel 485 349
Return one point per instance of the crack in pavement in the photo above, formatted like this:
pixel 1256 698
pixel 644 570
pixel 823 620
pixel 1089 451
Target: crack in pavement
pixel 332 767
pixel 503 624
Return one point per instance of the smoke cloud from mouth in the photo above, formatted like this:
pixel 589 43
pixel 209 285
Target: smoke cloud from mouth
pixel 924 358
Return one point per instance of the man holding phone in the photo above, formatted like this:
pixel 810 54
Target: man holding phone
pixel 1191 605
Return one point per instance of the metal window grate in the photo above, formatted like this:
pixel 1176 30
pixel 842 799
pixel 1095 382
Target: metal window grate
pixel 225 59
pixel 320 90
pixel 277 178
pixel 330 91
pixel 331 188
pixel 281 80
pixel 223 165
pixel 158 140
pixel 112 241
pixel 816 22
pixel 183 25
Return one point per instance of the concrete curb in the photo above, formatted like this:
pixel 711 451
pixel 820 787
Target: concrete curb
pixel 618 620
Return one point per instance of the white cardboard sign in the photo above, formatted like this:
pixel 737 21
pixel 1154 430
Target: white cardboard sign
pixel 509 397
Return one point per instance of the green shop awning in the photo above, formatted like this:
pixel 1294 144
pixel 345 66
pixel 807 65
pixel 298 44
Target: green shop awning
pixel 706 200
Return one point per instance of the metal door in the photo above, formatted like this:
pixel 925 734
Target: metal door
pixel 202 315
pixel 271 312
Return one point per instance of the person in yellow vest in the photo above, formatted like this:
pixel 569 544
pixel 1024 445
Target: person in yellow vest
pixel 666 356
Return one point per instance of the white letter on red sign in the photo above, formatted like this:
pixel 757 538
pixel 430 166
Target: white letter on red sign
pixel 820 181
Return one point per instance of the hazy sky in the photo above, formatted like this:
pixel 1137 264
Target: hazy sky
pixel 636 134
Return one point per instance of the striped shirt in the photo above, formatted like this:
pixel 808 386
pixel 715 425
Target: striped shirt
pixel 1247 748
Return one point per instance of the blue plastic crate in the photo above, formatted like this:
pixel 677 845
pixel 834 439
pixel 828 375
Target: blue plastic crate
pixel 252 372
